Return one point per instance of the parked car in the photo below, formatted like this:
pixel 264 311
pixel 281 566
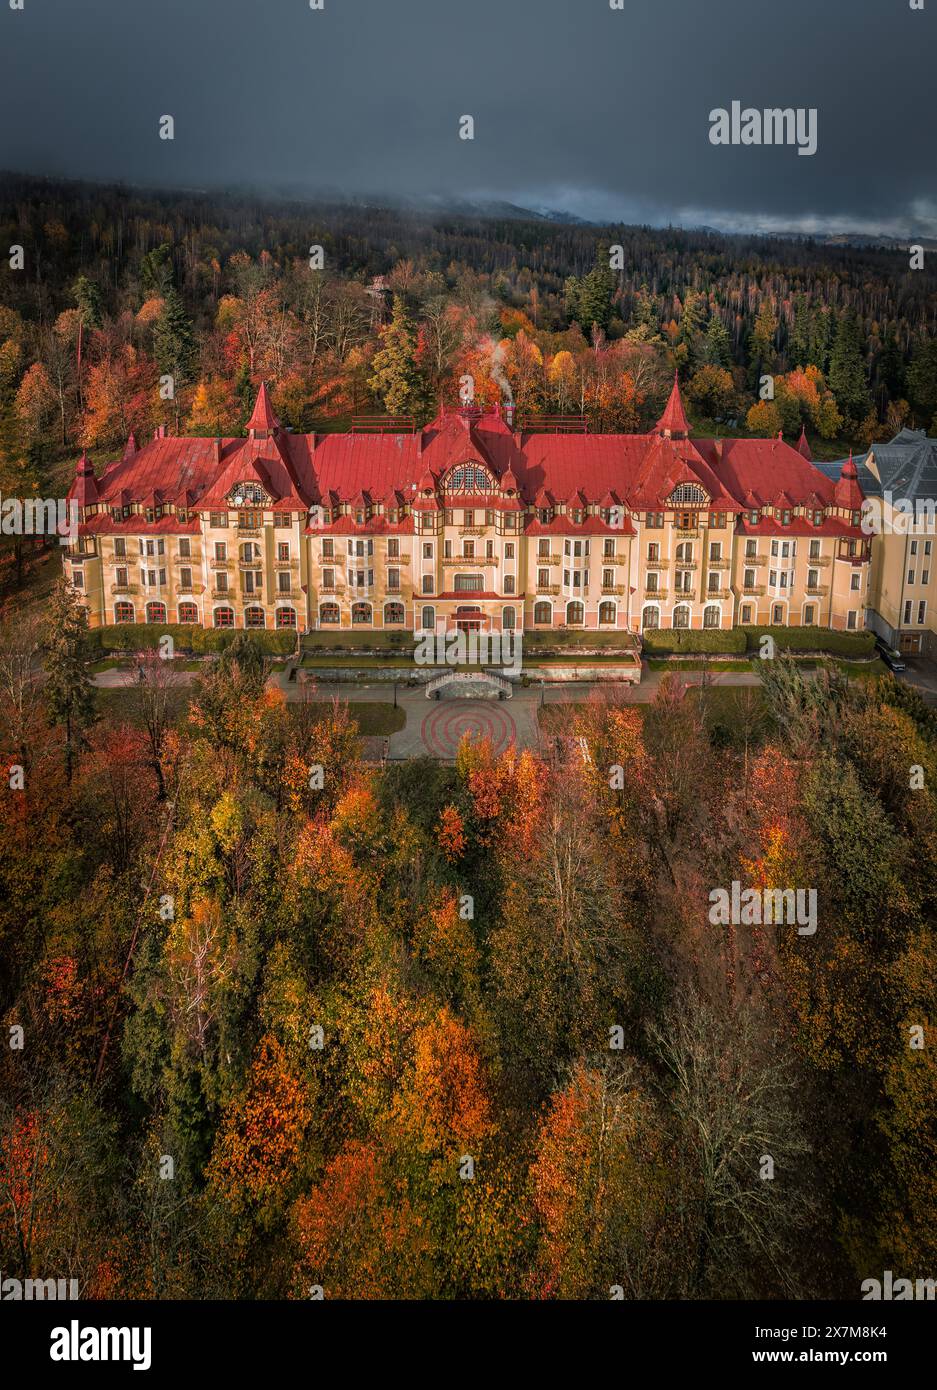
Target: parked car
pixel 892 659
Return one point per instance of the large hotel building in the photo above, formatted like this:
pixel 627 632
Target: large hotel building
pixel 469 522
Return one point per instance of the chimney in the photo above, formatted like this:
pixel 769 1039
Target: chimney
pixel 216 449
pixel 509 414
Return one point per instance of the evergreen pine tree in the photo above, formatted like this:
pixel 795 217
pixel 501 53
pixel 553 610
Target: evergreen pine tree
pixel 69 692
pixel 717 350
pixel 922 380
pixel 847 375
pixel 396 377
pixel 174 345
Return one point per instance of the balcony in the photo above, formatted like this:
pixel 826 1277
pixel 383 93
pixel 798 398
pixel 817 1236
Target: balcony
pixel 657 564
pixel 547 590
pixel 336 589
pixel 819 562
pixel 469 560
pixel 547 559
pixel 471 530
pixel 125 588
pixel 610 590
pixel 712 594
pixel 690 533
pixel 817 590
pixel 753 590
pixel 222 593
pixel 686 564
pixel 221 564
pixel 755 559
pixel 656 594
pixel 190 588
pixel 280 565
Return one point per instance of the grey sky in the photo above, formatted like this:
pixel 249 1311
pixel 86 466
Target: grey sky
pixel 599 112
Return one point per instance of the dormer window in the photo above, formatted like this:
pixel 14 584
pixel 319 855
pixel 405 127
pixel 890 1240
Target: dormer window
pixel 817 518
pixel 359 518
pixel 753 518
pixel 469 478
pixel 786 519
pixel 688 494
pixel 247 495
pixel 149 513
pixel 855 518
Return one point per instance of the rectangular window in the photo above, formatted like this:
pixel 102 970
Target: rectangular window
pixel 427 550
pixel 608 549
pixel 185 548
pixel 715 553
pixel 927 547
pixel 750 550
pixel 653 550
pixel 281 519
pixel 218 519
pixel 543 549
pixel 328 579
pixel 856 581
pixel 746 613
pixel 543 579
pixel 910 576
pixel 328 548
pixel 749 581
pixel 907 611
pixel 925 576
pixel 221 551
pixel 489 549
pixel 814 550
pixel 162 576
pixel 221 583
pixel 468 550
pixel 78 578
pixel 427 584
pixel 121 578
pixel 393 579
pixel 120 547
pixel 851 618
pixel 185 578
pixel 447 550
pixel 393 549
pixel 922 610
pixel 283 582
pixel 509 551
pixel 652 582
pixel 509 584
pixel 914 547
pixel 469 519
pixel 813 579
pixel 283 550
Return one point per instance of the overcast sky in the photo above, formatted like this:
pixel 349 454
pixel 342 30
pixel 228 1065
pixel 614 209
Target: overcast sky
pixel 576 106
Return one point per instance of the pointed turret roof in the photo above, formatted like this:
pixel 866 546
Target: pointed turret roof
pixel 673 421
pixel 84 489
pixel 130 448
pixel 263 417
pixel 803 448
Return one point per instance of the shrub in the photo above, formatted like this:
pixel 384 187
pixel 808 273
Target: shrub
pixel 187 638
pixel 665 641
pixel 813 639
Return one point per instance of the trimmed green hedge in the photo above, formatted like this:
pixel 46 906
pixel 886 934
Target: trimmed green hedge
pixel 664 641
pixel 813 639
pixel 187 637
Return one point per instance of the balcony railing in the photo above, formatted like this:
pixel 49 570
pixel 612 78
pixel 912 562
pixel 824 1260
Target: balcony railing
pixel 547 559
pixel 817 590
pixel 718 594
pixel 753 590
pixel 548 589
pixel 125 588
pixel 222 593
pixel 755 559
pixel 655 593
pixel 609 590
pixel 819 561
pixel 337 589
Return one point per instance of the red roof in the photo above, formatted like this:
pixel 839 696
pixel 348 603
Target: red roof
pixel 263 417
pixel 295 471
pixel 673 421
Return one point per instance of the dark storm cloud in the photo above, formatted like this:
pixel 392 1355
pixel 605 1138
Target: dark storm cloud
pixel 601 112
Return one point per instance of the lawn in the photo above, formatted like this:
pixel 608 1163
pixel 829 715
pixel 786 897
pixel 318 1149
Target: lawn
pixel 676 667
pixel 371 716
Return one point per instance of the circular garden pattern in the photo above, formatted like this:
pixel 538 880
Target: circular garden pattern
pixel 450 720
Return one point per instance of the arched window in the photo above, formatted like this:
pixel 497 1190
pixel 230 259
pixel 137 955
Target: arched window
pixel 428 620
pixel 156 612
pixel 508 619
pixel 361 613
pixel 543 613
pixel 286 617
pixel 681 615
pixel 711 615
pixel 247 495
pixel 468 477
pixel 650 618
pixel 575 614
pixel 329 613
pixel 250 553
pixel 393 613
pixel 123 612
pixel 224 617
pixel 607 613
pixel 691 493
pixel 254 617
pixel 188 613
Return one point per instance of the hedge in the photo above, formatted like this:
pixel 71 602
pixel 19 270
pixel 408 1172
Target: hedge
pixel 664 641
pixel 812 639
pixel 187 637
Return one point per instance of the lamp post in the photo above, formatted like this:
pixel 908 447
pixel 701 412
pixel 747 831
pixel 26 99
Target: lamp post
pixel 395 694
pixel 541 692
